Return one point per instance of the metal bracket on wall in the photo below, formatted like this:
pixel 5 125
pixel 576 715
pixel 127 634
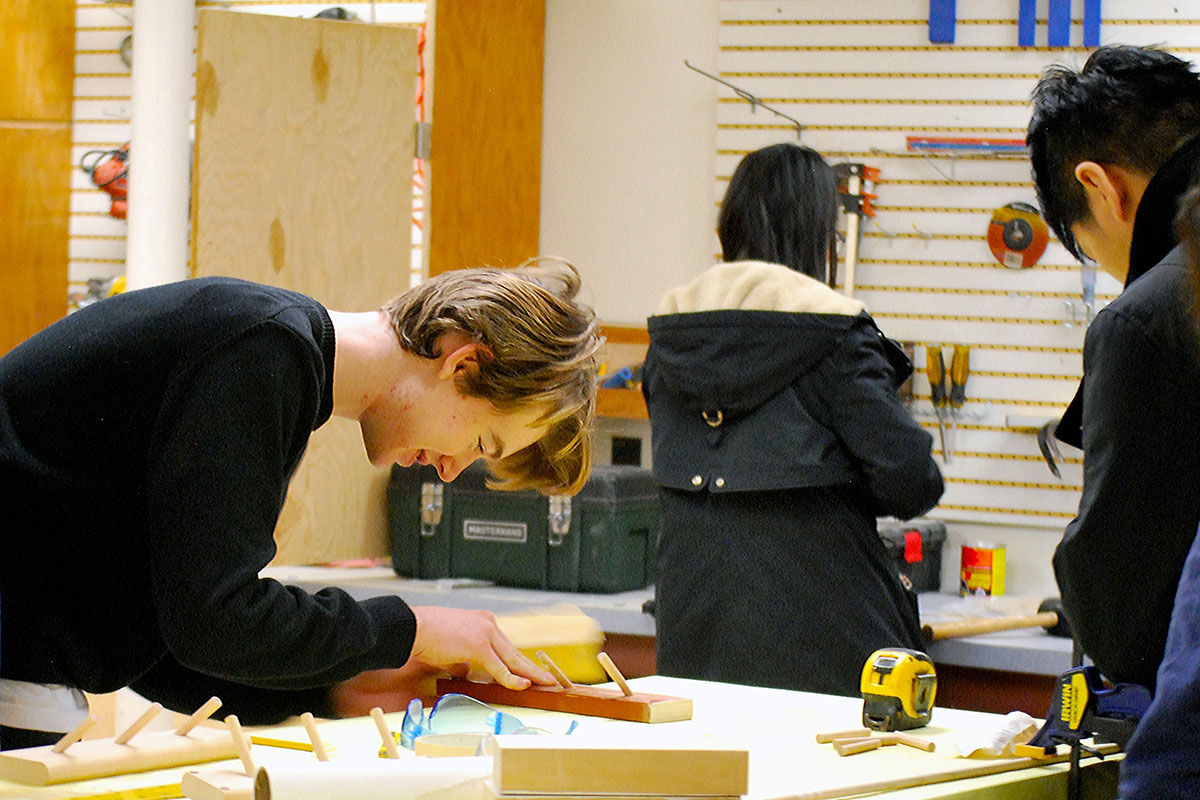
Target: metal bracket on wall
pixel 424 140
pixel 754 102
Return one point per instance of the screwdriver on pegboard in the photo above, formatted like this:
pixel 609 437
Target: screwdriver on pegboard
pixel 935 370
pixel 960 369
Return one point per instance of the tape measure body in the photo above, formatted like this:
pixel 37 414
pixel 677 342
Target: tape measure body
pixel 1017 235
pixel 898 689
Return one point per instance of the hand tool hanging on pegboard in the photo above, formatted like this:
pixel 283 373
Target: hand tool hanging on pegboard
pixel 109 171
pixel 855 185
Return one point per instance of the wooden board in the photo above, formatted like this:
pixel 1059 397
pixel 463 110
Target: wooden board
pixel 485 174
pixel 41 766
pixel 586 700
pixel 567 765
pixel 303 179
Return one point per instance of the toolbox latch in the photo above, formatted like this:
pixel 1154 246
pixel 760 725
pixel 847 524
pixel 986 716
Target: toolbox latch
pixel 559 519
pixel 431 507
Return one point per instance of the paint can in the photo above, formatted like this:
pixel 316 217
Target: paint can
pixel 982 572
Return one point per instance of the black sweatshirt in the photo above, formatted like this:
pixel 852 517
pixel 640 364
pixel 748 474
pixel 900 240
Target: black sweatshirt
pixel 146 444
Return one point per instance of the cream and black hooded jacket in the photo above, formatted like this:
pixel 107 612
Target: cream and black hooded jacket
pixel 759 378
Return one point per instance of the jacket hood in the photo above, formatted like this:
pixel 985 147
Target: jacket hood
pixel 741 332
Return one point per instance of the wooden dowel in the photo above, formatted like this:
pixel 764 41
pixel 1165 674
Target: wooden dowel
pixel 310 725
pixel 974 626
pixel 74 736
pixel 241 743
pixel 389 742
pixel 142 721
pixel 614 673
pixel 553 669
pixel 845 748
pixel 912 741
pixel 199 715
pixel 855 733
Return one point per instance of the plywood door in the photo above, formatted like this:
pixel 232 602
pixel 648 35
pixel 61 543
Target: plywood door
pixel 303 179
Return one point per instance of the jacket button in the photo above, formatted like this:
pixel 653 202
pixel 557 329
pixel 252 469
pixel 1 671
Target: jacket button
pixel 720 482
pixel 697 480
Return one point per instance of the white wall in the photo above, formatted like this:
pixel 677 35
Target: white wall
pixel 629 136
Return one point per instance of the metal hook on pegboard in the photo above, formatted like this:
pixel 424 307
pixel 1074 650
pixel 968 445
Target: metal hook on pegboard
pixel 754 102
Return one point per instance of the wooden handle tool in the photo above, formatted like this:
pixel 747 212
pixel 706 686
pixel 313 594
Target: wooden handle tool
pixel 955 629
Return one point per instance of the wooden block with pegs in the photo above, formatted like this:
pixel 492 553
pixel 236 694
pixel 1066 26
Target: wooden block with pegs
pixel 586 700
pixel 73 760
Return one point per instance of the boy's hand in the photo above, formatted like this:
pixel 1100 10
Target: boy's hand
pixel 470 644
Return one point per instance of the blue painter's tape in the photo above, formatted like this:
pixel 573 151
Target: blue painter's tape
pixel 941 21
pixel 1027 23
pixel 1091 23
pixel 1058 26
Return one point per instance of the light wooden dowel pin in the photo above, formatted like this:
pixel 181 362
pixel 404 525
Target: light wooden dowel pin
pixel 849 748
pixel 389 743
pixel 199 715
pixel 310 725
pixel 855 733
pixel 141 722
pixel 554 670
pixel 614 673
pixel 242 743
pixel 74 736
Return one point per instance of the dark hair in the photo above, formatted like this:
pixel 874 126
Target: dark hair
pixel 781 206
pixel 1131 107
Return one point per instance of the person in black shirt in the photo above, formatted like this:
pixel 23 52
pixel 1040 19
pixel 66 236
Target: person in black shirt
pixel 146 445
pixel 1113 147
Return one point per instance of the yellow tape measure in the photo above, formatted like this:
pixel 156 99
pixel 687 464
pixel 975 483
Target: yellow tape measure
pixel 164 792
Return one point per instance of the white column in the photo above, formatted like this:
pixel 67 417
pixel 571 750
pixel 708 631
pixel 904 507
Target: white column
pixel 164 39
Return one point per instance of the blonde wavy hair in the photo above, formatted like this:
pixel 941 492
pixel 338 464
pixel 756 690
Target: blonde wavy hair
pixel 540 353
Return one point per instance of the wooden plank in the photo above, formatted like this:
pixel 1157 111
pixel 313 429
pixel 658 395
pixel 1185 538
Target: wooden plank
pixel 486 168
pixel 621 403
pixel 303 179
pixel 41 766
pixel 34 223
pixel 539 765
pixel 37 61
pixel 585 700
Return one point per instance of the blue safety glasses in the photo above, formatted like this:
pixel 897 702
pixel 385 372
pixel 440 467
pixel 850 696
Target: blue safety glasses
pixel 457 713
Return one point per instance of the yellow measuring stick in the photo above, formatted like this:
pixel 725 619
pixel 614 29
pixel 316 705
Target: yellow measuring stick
pixel 165 792
pixel 286 744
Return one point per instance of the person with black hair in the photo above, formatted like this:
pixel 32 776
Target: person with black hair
pixel 1162 760
pixel 778 437
pixel 1113 147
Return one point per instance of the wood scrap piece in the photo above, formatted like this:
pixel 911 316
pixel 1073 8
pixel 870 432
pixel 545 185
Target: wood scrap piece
pixel 983 768
pixel 566 766
pixel 99 758
pixel 585 700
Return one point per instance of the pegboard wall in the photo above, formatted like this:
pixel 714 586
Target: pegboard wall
pixel 102 108
pixel 861 77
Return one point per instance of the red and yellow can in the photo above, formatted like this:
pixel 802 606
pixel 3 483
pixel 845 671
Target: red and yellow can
pixel 982 570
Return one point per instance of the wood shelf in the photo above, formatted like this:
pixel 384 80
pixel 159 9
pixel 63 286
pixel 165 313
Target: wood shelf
pixel 621 403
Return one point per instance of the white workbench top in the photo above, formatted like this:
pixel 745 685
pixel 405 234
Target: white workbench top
pixel 1028 651
pixel 776 727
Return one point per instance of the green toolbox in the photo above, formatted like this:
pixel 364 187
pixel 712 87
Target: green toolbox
pixel 601 540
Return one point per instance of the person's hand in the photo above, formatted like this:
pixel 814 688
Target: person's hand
pixel 389 689
pixel 469 644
